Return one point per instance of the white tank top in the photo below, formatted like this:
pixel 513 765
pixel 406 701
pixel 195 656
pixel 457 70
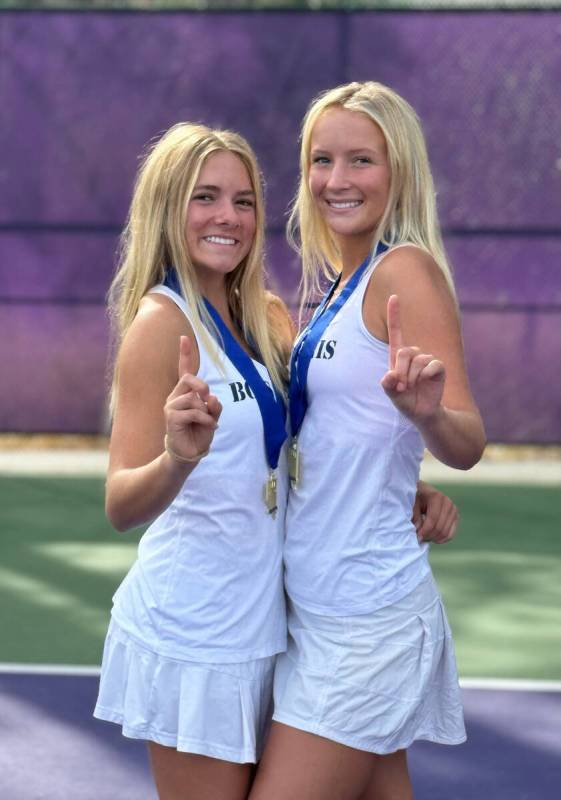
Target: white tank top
pixel 207 583
pixel 350 544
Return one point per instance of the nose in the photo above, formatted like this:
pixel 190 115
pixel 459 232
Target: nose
pixel 226 214
pixel 338 178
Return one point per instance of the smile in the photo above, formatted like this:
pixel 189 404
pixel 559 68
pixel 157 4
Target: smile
pixel 225 240
pixel 343 204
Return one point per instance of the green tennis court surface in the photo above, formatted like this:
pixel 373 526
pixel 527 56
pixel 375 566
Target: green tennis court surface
pixel 61 562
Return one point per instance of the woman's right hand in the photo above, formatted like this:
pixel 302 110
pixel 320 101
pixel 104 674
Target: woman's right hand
pixel 191 412
pixel 414 381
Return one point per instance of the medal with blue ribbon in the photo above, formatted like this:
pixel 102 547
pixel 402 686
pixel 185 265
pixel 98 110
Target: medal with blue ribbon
pixel 269 400
pixel 304 350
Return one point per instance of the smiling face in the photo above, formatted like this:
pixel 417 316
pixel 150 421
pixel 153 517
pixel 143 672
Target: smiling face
pixel 220 225
pixel 349 178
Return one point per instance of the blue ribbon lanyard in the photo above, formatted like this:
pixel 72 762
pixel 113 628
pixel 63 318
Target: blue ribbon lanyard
pixel 269 400
pixel 305 347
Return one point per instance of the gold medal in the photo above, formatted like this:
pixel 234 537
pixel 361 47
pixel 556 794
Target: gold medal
pixel 270 493
pixel 294 463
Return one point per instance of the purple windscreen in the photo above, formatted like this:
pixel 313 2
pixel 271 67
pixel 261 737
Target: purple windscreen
pixel 84 94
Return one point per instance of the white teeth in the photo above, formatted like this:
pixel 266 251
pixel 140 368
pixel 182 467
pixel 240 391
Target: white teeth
pixel 219 240
pixel 347 204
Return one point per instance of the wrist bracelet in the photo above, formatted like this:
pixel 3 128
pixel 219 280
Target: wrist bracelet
pixel 183 459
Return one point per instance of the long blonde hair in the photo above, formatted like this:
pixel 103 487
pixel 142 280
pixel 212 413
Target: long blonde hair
pixel 410 214
pixel 154 240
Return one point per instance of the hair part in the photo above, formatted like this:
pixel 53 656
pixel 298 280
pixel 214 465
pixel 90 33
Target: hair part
pixel 154 240
pixel 410 214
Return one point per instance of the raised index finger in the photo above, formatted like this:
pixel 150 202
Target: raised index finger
pixel 395 335
pixel 185 356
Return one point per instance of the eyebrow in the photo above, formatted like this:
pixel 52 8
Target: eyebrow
pixel 352 152
pixel 210 187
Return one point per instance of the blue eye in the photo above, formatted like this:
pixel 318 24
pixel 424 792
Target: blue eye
pixel 363 160
pixel 320 160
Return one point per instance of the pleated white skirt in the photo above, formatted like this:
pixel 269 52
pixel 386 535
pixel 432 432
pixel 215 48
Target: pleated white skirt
pixel 218 710
pixel 375 682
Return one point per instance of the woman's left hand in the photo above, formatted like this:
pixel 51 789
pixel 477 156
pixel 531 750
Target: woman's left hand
pixel 435 516
pixel 415 381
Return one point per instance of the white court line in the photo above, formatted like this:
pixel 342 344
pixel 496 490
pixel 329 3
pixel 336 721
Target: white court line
pixel 54 463
pixel 493 684
pixel 90 463
pixel 510 684
pixel 530 472
pixel 49 669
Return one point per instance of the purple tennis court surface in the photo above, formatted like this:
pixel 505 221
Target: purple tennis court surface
pixel 52 749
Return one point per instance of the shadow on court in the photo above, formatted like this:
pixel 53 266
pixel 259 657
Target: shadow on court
pixel 52 749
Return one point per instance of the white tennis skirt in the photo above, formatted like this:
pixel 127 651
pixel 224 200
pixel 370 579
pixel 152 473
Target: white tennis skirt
pixel 375 682
pixel 218 710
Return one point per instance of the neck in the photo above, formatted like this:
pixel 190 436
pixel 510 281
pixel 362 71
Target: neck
pixel 351 258
pixel 214 289
pixel 350 266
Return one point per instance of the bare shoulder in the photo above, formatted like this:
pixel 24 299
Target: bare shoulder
pixel 150 348
pixel 415 277
pixel 409 270
pixel 279 318
pixel 276 306
pixel 159 311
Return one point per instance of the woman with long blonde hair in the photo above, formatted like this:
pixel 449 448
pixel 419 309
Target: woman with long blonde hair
pixel 376 375
pixel 198 429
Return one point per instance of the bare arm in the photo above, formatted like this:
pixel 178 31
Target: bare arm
pixel 426 379
pixel 157 394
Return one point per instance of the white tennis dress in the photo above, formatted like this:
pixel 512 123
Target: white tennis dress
pixel 370 660
pixel 197 621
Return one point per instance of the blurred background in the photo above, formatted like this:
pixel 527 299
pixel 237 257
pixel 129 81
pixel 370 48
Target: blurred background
pixel 84 91
pixel 84 87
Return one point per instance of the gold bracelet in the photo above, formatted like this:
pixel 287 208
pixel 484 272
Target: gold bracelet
pixel 183 459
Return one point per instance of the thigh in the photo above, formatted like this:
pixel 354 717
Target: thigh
pixel 298 765
pixel 390 778
pixel 186 776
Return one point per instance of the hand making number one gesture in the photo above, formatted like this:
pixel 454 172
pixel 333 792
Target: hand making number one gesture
pixel 415 380
pixel 191 411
